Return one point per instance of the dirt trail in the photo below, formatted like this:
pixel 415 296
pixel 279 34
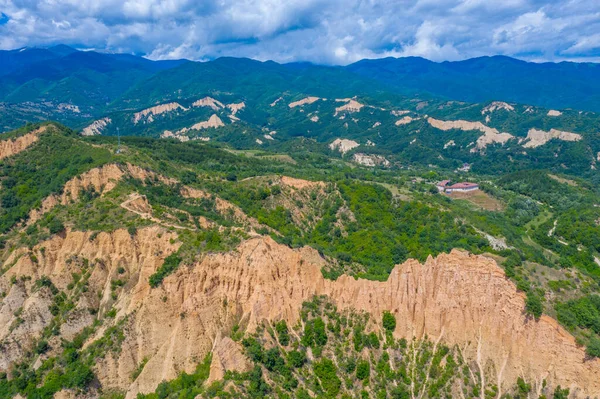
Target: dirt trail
pixel 139 205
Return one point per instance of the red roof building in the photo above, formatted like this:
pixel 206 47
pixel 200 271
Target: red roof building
pixel 441 186
pixel 444 187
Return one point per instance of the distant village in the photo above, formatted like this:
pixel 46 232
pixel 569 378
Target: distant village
pixel 446 186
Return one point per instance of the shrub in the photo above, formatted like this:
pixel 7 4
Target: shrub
pixel 363 370
pixel 170 264
pixel 272 360
pixel 296 358
pixel 389 321
pixel 327 373
pixel 282 333
pixel 42 347
pixel 56 226
pixel 593 347
pixel 132 230
pixel 560 393
pixel 533 305
pixel 254 349
pixel 524 388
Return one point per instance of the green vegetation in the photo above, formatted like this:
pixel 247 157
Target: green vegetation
pixel 169 265
pixel 193 244
pixel 31 176
pixel 71 369
pixel 582 313
pixel 398 369
pixel 389 321
pixel 185 385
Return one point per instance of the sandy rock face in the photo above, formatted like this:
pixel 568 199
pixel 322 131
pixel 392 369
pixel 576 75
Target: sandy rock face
pixel 462 299
pixel 208 102
pixel 536 138
pixel 466 300
pixel 139 256
pixel 490 135
pixel 227 355
pixel 370 159
pixel 496 106
pixel 404 121
pixel 351 106
pixel 213 122
pixel 102 180
pixel 12 147
pixel 299 103
pixel 148 113
pixel 236 107
pixel 343 145
pixel 300 184
pixel 96 127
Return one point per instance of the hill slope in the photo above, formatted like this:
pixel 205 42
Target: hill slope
pixel 177 269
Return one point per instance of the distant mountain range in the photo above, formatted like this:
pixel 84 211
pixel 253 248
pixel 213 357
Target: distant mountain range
pixel 551 85
pixel 377 112
pixel 61 74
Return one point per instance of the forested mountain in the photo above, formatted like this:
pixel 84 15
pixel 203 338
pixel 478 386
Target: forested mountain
pixel 64 84
pixel 31 79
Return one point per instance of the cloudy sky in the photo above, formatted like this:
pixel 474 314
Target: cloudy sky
pixel 320 31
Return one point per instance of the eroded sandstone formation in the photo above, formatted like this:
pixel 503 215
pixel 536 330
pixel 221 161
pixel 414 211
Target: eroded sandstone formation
pixel 12 147
pixel 461 299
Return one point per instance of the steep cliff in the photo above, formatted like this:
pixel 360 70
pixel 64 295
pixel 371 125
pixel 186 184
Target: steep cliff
pixel 458 298
pixel 12 147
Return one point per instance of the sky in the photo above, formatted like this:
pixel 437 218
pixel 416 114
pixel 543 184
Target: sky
pixel 329 32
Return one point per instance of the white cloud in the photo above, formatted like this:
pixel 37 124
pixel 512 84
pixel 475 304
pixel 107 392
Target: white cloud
pixel 322 31
pixel 426 44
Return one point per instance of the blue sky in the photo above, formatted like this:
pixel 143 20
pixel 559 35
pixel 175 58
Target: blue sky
pixel 320 31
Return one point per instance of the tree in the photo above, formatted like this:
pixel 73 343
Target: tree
pixel 189 177
pixel 282 332
pixel 258 387
pixel 273 360
pixel 363 370
pixel 533 305
pixel 320 334
pixel 524 388
pixel 296 358
pixel 593 347
pixel 389 321
pixel 561 393
pixel 327 373
pixel 42 347
pixel 55 226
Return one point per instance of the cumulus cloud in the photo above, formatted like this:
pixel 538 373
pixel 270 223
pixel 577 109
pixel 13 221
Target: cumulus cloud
pixel 321 31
